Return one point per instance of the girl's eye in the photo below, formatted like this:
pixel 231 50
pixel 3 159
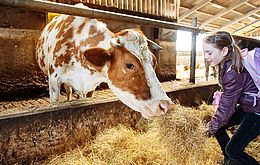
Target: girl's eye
pixel 130 66
pixel 208 53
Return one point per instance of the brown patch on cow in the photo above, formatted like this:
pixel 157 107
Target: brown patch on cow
pixel 70 48
pixel 66 32
pixel 65 58
pixel 80 28
pixel 123 32
pixel 63 25
pixel 131 80
pixel 92 30
pixel 51 26
pixel 39 44
pixel 51 70
pixel 92 71
pixel 94 40
pixel 86 64
pixel 57 48
pixel 59 25
pixel 49 49
pixel 42 63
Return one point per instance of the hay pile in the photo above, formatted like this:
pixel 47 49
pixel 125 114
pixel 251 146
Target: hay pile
pixel 175 138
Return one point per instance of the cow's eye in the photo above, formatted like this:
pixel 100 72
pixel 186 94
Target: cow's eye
pixel 130 66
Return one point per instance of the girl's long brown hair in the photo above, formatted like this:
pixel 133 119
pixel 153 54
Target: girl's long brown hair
pixel 223 39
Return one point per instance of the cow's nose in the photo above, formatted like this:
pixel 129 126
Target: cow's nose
pixel 165 105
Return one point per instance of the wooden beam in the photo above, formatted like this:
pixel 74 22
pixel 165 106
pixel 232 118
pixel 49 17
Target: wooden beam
pixel 207 14
pixel 223 11
pixel 242 17
pixel 240 29
pixel 253 31
pixel 247 3
pixel 195 8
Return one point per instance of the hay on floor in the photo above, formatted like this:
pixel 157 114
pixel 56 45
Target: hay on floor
pixel 175 138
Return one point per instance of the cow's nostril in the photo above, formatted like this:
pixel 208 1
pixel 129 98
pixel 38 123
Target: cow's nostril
pixel 163 107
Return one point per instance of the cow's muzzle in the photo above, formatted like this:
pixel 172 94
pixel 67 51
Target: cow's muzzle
pixel 159 108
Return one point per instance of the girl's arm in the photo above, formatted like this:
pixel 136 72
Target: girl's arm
pixel 232 90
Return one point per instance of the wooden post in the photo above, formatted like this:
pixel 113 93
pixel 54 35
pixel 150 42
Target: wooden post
pixel 193 52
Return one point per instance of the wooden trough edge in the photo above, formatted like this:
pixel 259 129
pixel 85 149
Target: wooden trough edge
pixel 33 136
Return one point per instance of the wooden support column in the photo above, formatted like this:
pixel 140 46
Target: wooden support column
pixel 193 52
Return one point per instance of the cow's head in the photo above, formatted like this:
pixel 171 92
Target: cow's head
pixel 130 72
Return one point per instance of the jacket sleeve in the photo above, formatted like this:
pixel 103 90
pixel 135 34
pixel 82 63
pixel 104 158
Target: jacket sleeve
pixel 232 90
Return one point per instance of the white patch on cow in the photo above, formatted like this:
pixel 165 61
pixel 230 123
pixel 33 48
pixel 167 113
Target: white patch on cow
pixel 101 28
pixel 148 108
pixel 126 97
pixel 78 77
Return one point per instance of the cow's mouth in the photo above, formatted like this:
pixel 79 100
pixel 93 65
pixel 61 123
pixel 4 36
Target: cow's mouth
pixel 148 113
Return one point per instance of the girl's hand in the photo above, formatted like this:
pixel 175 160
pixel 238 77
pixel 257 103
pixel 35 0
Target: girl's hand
pixel 216 97
pixel 208 132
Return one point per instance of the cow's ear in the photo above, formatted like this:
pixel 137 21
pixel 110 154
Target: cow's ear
pixel 153 45
pixel 97 56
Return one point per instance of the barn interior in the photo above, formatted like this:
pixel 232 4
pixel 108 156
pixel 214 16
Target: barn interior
pixel 32 128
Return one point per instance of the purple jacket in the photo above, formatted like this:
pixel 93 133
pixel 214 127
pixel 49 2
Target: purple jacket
pixel 233 87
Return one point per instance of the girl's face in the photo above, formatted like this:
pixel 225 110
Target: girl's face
pixel 213 55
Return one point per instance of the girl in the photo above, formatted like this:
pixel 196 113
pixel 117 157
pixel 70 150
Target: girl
pixel 235 107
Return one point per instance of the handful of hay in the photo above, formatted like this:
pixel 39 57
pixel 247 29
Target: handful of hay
pixel 175 138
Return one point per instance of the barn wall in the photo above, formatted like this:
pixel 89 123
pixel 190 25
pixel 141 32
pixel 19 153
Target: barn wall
pixel 118 26
pixel 166 70
pixel 30 137
pixel 19 31
pixel 166 58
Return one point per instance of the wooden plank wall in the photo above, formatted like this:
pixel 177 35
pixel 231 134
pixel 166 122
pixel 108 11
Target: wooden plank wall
pixel 165 8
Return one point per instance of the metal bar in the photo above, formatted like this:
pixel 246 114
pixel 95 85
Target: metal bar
pixel 46 6
pixel 193 52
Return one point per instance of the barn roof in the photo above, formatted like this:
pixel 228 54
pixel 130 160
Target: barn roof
pixel 240 17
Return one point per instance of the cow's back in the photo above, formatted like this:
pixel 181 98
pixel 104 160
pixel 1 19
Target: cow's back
pixel 65 39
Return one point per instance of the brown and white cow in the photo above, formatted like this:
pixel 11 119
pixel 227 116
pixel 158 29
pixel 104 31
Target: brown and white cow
pixel 81 53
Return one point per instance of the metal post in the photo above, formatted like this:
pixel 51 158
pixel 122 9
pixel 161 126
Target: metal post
pixel 193 52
